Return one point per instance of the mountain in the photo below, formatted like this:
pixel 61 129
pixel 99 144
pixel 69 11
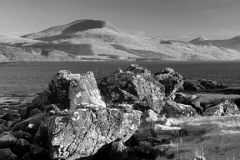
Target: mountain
pixel 101 40
pixel 233 43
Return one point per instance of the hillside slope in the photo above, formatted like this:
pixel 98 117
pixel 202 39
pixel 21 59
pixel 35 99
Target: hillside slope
pixel 233 43
pixel 100 40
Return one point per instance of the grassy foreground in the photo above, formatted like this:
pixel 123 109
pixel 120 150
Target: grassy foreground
pixel 216 138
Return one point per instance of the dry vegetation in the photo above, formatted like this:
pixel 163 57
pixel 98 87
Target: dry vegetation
pixel 216 138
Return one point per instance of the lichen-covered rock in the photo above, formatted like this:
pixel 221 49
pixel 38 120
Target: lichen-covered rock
pixel 171 80
pixel 69 91
pixel 118 151
pixel 141 90
pixel 136 69
pixel 173 109
pixel 83 133
pixel 227 107
pixel 6 154
pixel 42 99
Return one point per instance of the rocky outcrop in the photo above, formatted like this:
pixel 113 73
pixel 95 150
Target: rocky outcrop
pixel 173 109
pixel 77 117
pixel 68 91
pixel 82 134
pixel 225 108
pixel 202 84
pixel 136 86
pixel 171 80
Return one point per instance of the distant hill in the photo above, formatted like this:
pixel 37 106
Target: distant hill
pixel 101 40
pixel 233 43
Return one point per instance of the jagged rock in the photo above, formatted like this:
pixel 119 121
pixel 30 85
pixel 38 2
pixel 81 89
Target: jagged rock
pixel 118 151
pixel 150 116
pixel 227 107
pixel 7 140
pixel 21 147
pixel 192 85
pixel 173 109
pixel 171 80
pixel 59 88
pixel 82 134
pixel 119 70
pixel 210 84
pixel 195 102
pixel 6 154
pixel 30 124
pixel 42 99
pixel 141 90
pixel 202 84
pixel 136 69
pixel 69 91
pixel 39 153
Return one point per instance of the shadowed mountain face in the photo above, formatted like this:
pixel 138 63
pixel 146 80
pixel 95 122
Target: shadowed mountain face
pixel 84 25
pixel 233 43
pixel 64 31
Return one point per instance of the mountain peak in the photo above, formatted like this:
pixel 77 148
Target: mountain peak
pixel 201 38
pixel 73 27
pixel 237 37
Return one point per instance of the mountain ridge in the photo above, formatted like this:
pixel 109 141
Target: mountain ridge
pixel 100 40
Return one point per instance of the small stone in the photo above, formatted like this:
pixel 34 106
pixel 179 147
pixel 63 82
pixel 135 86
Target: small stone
pixel 6 154
pixel 21 147
pixel 7 140
pixel 39 153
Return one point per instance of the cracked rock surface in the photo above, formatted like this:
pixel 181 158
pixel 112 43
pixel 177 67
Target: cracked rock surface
pixel 84 133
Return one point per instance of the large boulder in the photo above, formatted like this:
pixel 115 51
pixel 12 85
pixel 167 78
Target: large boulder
pixel 171 80
pixel 68 91
pixel 6 154
pixel 83 133
pixel 202 84
pixel 7 140
pixel 226 107
pixel 173 109
pixel 31 124
pixel 136 86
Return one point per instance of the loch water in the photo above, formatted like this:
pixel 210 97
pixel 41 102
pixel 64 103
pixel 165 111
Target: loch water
pixel 30 78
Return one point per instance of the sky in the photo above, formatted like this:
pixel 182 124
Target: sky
pixel 167 19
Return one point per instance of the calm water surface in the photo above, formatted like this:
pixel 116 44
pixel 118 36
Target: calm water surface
pixel 33 77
